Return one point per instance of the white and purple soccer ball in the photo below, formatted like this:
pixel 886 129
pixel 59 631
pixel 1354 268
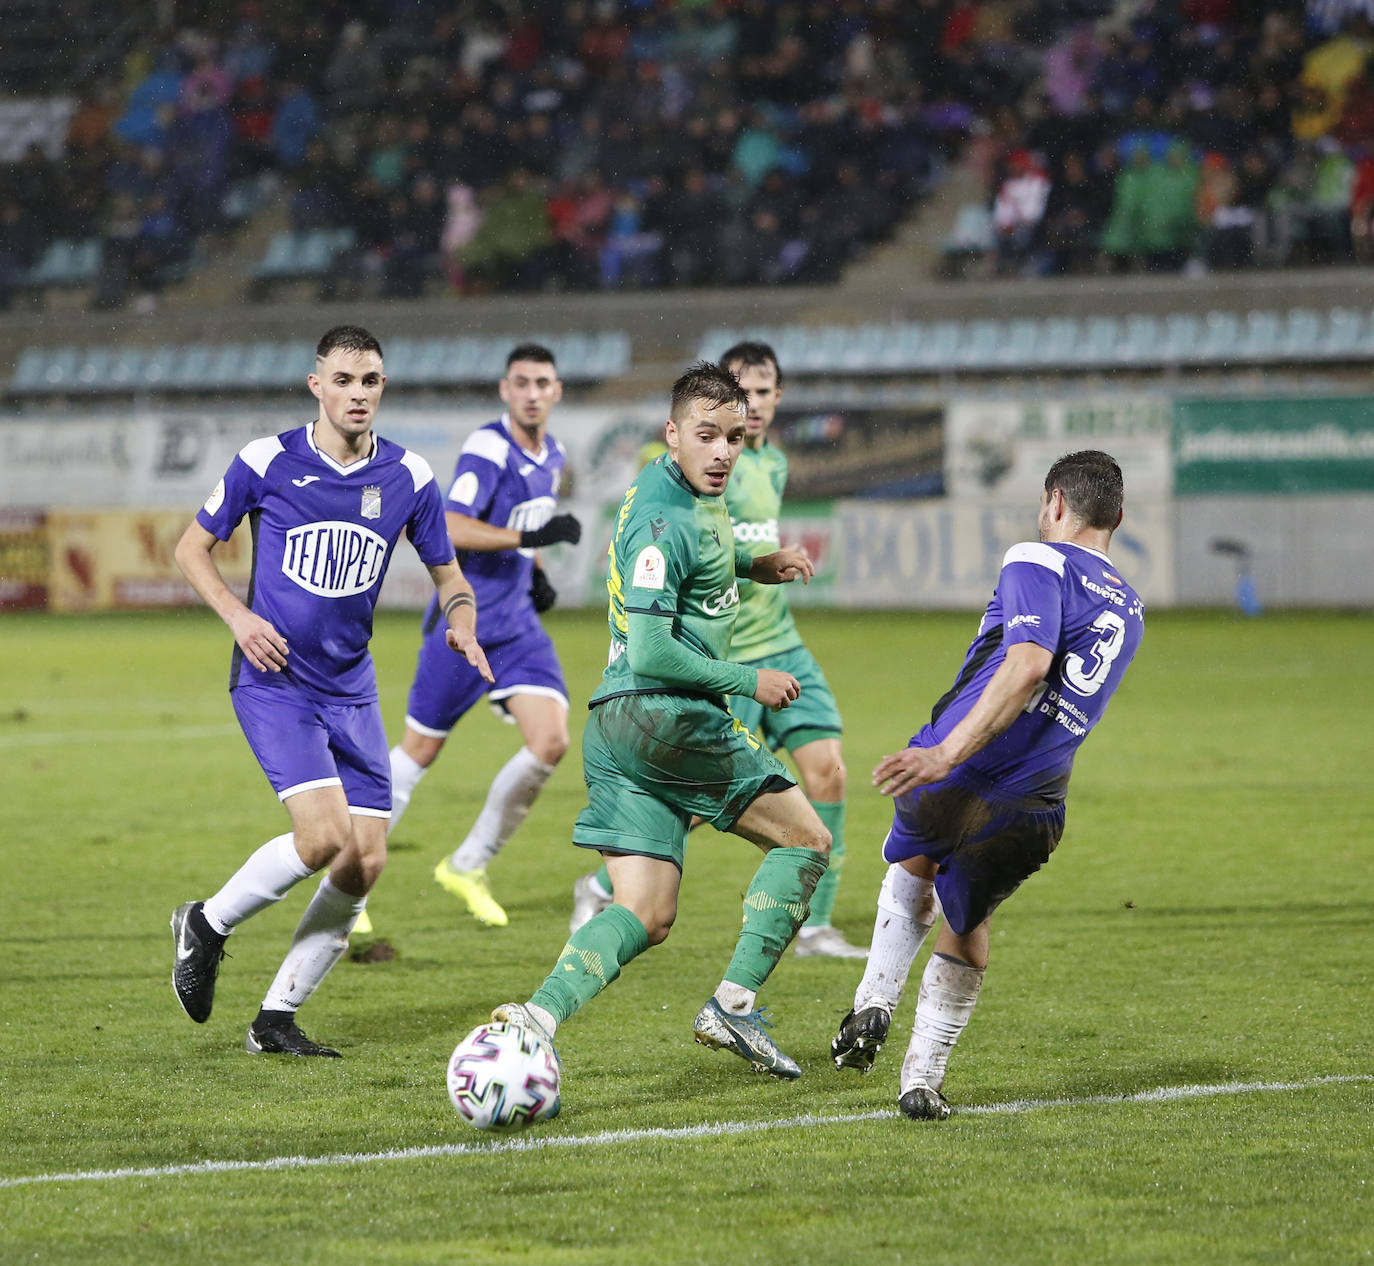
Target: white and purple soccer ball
pixel 502 1077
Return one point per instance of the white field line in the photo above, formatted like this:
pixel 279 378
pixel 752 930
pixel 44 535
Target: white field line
pixel 76 738
pixel 537 1142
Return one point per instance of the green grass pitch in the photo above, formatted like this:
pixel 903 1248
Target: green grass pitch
pixel 1205 923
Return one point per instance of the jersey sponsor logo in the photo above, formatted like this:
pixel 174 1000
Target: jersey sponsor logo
pixel 372 502
pixel 215 499
pixel 333 559
pixel 464 490
pixel 306 479
pixel 649 573
pixel 721 600
pixel 762 532
pixel 1031 621
pixel 1115 596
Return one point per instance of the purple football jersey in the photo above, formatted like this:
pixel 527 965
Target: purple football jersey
pixel 1070 600
pixel 501 483
pixel 322 539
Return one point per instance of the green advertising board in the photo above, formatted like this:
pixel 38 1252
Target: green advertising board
pixel 1309 445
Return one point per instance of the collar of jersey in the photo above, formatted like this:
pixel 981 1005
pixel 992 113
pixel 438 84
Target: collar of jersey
pixel 1088 549
pixel 538 457
pixel 351 468
pixel 676 475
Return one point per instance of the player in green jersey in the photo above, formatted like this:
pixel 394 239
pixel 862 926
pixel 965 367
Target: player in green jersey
pixel 766 636
pixel 660 746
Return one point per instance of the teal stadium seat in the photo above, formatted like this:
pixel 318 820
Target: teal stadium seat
pixel 1141 341
pixel 613 354
pixel 1342 336
pixel 1301 335
pixel 1220 343
pixel 59 369
pixel 1057 345
pixel 1018 345
pixel 977 348
pixel 27 378
pixel 1261 336
pixel 937 351
pixel 93 370
pixel 1182 339
pixel 1101 335
pixel 126 373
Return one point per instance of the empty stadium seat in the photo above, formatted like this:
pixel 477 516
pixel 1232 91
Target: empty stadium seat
pixel 1301 335
pixel 1100 338
pixel 1182 338
pixel 1342 335
pixel 1141 341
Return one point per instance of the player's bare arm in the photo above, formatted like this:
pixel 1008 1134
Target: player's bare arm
pixel 260 643
pixel 1002 701
pixel 459 608
pixel 782 567
pixel 468 533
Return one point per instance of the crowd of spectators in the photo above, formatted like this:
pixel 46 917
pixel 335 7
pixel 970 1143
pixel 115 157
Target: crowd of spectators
pixel 1191 135
pixel 508 144
pixel 526 144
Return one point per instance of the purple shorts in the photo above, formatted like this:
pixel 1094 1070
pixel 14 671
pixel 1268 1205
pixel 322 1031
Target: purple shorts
pixel 302 744
pixel 446 685
pixel 986 843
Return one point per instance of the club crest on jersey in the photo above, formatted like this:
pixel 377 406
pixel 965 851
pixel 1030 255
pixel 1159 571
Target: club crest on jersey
pixel 334 560
pixel 372 501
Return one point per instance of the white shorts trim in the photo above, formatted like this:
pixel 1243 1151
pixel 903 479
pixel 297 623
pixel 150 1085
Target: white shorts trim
pixel 413 724
pixel 544 692
pixel 369 813
pixel 309 786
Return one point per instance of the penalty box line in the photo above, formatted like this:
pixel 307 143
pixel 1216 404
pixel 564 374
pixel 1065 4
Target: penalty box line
pixel 718 1129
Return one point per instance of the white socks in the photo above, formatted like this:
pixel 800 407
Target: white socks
pixel 263 880
pixel 735 999
pixel 907 910
pixel 949 988
pixel 406 773
pixel 319 943
pixel 512 793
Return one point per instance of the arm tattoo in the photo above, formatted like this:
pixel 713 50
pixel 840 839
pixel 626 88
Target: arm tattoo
pixel 459 600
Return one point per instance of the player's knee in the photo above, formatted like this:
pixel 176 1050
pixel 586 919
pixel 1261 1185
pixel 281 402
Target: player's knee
pixel 658 928
pixel 319 844
pixel 550 748
pixel 828 784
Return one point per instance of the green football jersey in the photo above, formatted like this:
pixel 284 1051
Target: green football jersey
pixel 754 499
pixel 672 556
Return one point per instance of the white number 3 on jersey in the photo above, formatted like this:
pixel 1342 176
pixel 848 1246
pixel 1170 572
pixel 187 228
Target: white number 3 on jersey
pixel 1087 676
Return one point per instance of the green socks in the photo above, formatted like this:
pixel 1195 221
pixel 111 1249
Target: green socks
pixel 774 908
pixel 823 902
pixel 590 960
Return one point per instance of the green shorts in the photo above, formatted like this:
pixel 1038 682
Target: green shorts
pixel 653 762
pixel 813 716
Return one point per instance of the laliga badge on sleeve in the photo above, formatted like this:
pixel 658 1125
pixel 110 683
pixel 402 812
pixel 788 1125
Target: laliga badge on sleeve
pixel 649 569
pixel 215 499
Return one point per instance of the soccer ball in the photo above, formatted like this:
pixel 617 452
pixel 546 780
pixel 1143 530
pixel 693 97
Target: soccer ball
pixel 502 1077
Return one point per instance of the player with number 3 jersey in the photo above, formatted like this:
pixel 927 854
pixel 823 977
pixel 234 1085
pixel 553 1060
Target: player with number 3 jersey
pixel 979 792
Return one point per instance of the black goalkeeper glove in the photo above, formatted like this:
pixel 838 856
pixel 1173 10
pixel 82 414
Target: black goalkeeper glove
pixel 543 593
pixel 562 527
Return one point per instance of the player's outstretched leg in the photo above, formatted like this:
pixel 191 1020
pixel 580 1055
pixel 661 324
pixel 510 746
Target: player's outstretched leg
pixel 949 990
pixel 907 910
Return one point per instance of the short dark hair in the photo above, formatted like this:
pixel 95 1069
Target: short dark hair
pixel 536 352
pixel 1092 486
pixel 347 338
pixel 711 383
pixel 748 353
